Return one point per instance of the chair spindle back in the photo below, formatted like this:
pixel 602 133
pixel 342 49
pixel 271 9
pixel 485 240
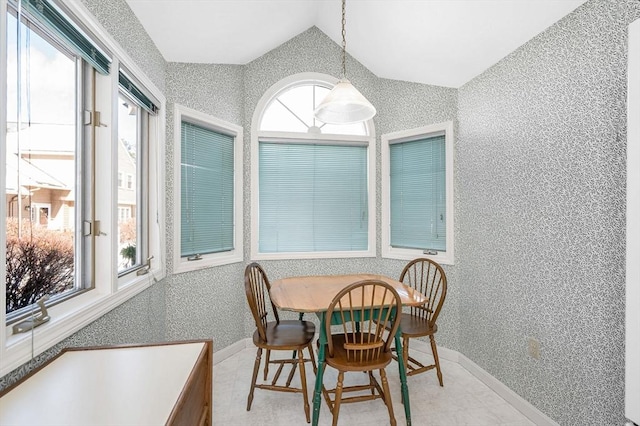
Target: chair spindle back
pixel 256 285
pixel 365 308
pixel 427 277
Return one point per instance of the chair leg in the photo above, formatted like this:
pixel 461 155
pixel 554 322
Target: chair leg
pixel 387 396
pixel 434 350
pixel 313 358
pixel 266 365
pixel 303 385
pixel 338 398
pixel 373 388
pixel 405 357
pixel 405 353
pixel 291 373
pixel 256 367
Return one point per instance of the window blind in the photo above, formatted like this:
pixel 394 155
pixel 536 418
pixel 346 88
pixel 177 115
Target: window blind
pixel 49 16
pixel 418 194
pixel 313 197
pixel 206 191
pixel 135 93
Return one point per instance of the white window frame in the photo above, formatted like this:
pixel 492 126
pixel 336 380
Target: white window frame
pixel 180 264
pixel 109 291
pixel 446 257
pixel 257 135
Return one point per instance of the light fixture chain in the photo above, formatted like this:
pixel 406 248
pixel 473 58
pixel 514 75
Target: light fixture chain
pixel 344 41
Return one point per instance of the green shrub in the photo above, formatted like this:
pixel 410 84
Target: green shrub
pixel 129 253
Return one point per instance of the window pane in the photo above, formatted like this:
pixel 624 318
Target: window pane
pixel 418 194
pixel 277 118
pixel 128 191
pixel 207 179
pixel 313 198
pixel 292 111
pixel 41 192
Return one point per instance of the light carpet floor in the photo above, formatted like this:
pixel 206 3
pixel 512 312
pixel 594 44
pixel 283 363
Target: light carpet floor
pixel 464 400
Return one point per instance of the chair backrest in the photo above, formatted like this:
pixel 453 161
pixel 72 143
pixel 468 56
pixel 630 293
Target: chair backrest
pixel 427 277
pixel 365 309
pixel 256 285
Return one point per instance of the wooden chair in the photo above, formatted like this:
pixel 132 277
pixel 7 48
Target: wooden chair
pixel 365 309
pixel 286 335
pixel 427 277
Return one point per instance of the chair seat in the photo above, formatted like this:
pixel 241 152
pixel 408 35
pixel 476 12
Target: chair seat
pixel 289 334
pixel 340 361
pixel 413 326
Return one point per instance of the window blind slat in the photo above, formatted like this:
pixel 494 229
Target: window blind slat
pixel 418 194
pixel 207 191
pixel 313 198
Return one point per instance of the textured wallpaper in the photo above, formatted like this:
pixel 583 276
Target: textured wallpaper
pixel 541 216
pixel 206 303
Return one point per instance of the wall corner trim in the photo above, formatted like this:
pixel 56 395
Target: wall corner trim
pixel 519 403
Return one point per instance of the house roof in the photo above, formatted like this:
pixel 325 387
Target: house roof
pixel 439 42
pixel 53 141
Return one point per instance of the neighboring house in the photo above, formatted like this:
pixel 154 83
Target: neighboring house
pixel 126 183
pixel 40 161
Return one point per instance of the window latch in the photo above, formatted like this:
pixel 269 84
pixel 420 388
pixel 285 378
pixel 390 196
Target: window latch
pixel 430 252
pixel 194 257
pixel 34 321
pixel 145 268
pixel 92 118
pixel 91 228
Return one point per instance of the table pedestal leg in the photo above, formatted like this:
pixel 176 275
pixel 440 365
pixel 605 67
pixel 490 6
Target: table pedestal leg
pixel 403 377
pixel 317 393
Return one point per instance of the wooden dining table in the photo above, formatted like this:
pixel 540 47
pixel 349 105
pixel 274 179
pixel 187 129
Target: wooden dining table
pixel 314 293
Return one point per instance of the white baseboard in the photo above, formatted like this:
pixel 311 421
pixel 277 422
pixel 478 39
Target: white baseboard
pixel 224 353
pixel 519 403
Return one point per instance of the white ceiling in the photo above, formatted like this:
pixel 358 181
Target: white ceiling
pixel 440 42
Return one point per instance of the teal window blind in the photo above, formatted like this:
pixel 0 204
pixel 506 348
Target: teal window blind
pixel 135 93
pixel 44 12
pixel 207 177
pixel 418 194
pixel 313 198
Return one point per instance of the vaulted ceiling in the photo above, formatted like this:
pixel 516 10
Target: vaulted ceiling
pixel 439 42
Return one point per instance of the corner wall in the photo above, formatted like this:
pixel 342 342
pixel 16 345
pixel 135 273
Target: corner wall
pixel 541 201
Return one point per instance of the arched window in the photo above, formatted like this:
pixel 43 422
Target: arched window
pixel 312 183
pixel 292 111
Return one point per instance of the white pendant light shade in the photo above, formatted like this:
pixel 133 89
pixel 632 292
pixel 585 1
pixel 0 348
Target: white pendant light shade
pixel 344 105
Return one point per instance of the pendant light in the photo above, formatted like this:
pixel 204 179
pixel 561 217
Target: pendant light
pixel 344 104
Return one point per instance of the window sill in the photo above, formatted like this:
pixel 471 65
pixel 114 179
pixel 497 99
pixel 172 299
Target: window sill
pixel 66 319
pixel 443 258
pixel 313 255
pixel 183 265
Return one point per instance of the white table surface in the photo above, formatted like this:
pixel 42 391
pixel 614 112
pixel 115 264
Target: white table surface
pixel 120 386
